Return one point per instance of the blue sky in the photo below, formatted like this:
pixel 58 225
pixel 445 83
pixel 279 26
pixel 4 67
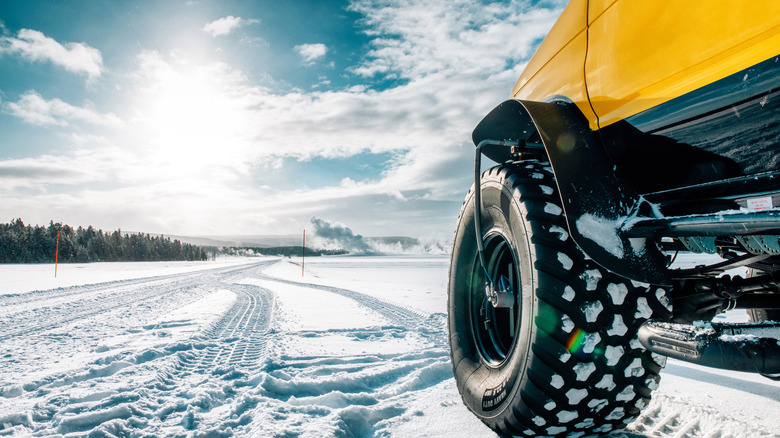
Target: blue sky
pixel 227 117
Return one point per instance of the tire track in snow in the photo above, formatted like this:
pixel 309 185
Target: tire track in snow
pixel 32 312
pixel 241 333
pixel 77 325
pixel 239 337
pixel 408 318
pixel 166 380
pixel 672 417
pixel 226 380
pixel 203 382
pixel 70 291
pixel 48 317
pixel 351 394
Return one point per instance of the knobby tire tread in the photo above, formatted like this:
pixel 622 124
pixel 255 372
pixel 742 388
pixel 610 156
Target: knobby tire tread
pixel 547 409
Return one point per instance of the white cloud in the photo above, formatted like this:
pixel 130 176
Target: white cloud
pixel 226 25
pixel 75 168
pixel 454 37
pixel 203 147
pixel 311 52
pixel 35 46
pixel 34 109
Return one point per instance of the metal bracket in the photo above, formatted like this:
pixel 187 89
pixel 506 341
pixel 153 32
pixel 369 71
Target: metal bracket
pixel 700 244
pixel 760 244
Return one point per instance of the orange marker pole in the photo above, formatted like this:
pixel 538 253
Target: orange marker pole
pixel 56 254
pixel 303 251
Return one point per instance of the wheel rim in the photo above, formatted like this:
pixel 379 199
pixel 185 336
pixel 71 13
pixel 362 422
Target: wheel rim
pixel 495 329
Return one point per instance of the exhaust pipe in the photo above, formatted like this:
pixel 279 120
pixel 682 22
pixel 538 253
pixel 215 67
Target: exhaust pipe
pixel 752 347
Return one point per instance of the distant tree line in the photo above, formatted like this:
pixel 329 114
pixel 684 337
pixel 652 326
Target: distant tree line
pixel 20 243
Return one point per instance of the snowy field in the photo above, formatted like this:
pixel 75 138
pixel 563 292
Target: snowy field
pixel 357 347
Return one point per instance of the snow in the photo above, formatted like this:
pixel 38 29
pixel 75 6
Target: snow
pixel 565 261
pixel 602 231
pixel 589 342
pixel 553 430
pixel 591 277
pixel 553 209
pixel 740 338
pixel 616 414
pixel 356 346
pixel 31 277
pixel 592 309
pixel 568 293
pixel 562 234
pixel 643 309
pixel 617 292
pixel 637 244
pixel 584 370
pixel 626 394
pixel 635 369
pixel 576 395
pixel 660 294
pixel 597 404
pixel 565 417
pixel 567 324
pixel 613 354
pixel 659 359
pixel 607 382
pixel 618 327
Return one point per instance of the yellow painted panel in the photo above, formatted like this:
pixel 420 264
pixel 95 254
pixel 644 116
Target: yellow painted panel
pixel 562 76
pixel 557 67
pixel 644 53
pixel 571 23
pixel 597 7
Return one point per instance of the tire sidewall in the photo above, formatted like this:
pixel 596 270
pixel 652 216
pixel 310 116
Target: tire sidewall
pixel 488 388
pixel 577 367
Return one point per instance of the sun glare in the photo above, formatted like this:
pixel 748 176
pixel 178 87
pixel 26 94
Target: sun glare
pixel 190 121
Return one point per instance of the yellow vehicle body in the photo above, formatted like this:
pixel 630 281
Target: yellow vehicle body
pixel 616 58
pixel 637 131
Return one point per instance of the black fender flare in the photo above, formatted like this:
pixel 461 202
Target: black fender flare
pixel 599 206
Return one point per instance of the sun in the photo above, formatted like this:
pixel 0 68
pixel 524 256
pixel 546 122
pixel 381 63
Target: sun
pixel 191 118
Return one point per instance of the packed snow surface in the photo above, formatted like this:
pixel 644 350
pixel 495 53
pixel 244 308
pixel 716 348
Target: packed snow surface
pixel 350 347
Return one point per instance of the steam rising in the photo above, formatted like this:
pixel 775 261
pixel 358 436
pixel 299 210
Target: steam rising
pixel 334 235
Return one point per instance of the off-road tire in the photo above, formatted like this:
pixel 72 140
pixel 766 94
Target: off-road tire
pixel 574 366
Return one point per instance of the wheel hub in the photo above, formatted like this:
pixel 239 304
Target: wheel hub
pixel 494 307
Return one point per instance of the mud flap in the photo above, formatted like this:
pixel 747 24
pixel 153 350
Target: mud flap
pixel 598 205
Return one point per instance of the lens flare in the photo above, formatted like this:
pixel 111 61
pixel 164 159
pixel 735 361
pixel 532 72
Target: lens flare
pixel 575 342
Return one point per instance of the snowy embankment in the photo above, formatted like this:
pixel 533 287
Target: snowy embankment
pixel 356 347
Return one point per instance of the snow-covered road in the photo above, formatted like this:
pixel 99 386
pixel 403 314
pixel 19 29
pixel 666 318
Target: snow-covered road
pixel 356 347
